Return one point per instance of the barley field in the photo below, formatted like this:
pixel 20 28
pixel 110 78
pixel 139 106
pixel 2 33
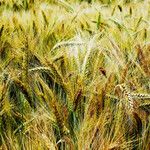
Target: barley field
pixel 74 74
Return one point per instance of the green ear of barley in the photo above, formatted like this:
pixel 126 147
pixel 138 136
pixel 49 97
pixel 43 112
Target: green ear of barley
pixel 8 62
pixel 5 86
pixel 25 63
pixel 24 124
pixel 53 104
pixel 46 88
pixel 26 92
pixel 59 79
pixel 39 69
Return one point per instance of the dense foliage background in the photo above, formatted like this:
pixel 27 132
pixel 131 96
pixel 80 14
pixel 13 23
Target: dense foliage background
pixel 74 75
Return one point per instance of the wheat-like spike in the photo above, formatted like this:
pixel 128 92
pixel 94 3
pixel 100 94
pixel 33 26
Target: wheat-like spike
pixel 58 58
pixel 52 68
pixel 5 85
pixel 143 61
pixel 55 72
pixel 39 69
pixel 69 142
pixel 77 99
pixel 25 62
pixel 59 79
pixel 8 62
pixel 53 102
pixel 132 96
pixel 146 104
pixel 67 43
pixel 125 72
pixel 41 97
pixel 45 87
pixel 145 107
pixel 59 119
pixel 125 92
pixel 140 96
pixel 130 101
pixel 63 67
pixel 25 90
pixel 4 91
